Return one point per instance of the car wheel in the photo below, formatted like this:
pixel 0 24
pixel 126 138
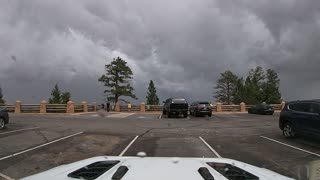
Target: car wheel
pixel 249 111
pixel 164 112
pixel 209 115
pixel 169 114
pixel 190 113
pixel 185 115
pixel 288 131
pixel 195 114
pixel 2 123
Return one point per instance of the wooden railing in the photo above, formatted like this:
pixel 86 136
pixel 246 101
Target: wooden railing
pixel 9 107
pixel 230 108
pixel 71 107
pixel 56 108
pixel 30 108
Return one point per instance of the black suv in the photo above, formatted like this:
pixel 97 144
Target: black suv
pixel 175 106
pixel 263 108
pixel 300 117
pixel 4 118
pixel 200 108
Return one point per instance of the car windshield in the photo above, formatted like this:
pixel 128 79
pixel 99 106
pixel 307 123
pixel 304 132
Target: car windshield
pixel 206 103
pixel 179 101
pixel 234 83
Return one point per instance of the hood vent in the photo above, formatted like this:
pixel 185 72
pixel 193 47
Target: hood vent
pixel 94 170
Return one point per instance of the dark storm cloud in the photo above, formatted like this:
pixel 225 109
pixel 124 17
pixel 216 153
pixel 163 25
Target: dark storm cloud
pixel 182 45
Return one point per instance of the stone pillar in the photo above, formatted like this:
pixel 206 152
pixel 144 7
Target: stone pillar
pixel 84 106
pixel 242 107
pixel 117 107
pixel 94 107
pixel 18 107
pixel 43 107
pixel 283 103
pixel 142 107
pixel 70 107
pixel 219 107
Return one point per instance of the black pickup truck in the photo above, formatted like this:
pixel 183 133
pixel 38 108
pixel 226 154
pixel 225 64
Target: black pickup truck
pixel 175 106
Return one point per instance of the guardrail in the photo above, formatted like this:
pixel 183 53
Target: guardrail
pixel 230 108
pixel 71 107
pixel 56 108
pixel 9 107
pixel 154 107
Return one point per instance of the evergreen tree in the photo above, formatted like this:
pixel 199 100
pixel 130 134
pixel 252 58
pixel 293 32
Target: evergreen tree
pixel 117 80
pixel 65 97
pixel 152 97
pixel 55 95
pixel 225 87
pixel 253 85
pixel 271 93
pixel 239 92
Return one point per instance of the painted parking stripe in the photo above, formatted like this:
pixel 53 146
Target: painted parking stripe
pixel 120 115
pixel 288 145
pixel 5 177
pixel 208 145
pixel 160 116
pixel 37 147
pixel 8 132
pixel 128 146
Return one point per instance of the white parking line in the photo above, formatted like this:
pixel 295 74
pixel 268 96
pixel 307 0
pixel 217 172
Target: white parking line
pixel 5 177
pixel 299 149
pixel 160 116
pixel 208 145
pixel 42 145
pixel 128 146
pixel 8 132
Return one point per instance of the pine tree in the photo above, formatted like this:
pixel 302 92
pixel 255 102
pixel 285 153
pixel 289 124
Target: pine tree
pixel 65 97
pixel 55 95
pixel 239 92
pixel 253 86
pixel 58 97
pixel 117 79
pixel 270 88
pixel 225 87
pixel 152 97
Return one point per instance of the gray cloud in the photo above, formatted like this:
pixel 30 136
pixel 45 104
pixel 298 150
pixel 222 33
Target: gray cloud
pixel 182 45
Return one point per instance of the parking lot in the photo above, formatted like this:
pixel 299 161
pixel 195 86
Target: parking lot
pixel 34 143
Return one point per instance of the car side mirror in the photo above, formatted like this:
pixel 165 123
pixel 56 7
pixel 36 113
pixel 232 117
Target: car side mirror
pixel 163 101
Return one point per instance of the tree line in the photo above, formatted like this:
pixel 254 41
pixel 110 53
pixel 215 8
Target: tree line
pixel 259 86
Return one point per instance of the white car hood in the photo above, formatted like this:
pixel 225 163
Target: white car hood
pixel 156 168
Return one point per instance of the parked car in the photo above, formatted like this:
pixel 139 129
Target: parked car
pixel 175 106
pixel 263 108
pixel 300 117
pixel 200 108
pixel 4 118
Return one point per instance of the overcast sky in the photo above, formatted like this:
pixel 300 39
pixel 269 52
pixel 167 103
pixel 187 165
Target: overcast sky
pixel 182 45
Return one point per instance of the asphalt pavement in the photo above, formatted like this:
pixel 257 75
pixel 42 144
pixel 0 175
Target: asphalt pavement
pixel 34 143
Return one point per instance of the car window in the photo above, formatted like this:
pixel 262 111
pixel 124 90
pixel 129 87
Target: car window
pixel 301 107
pixel 314 108
pixel 179 100
pixel 203 103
